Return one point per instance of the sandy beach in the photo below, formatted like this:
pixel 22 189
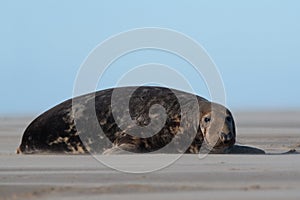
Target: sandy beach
pixel 214 177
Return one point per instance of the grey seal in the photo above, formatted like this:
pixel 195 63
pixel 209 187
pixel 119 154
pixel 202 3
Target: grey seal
pixel 55 130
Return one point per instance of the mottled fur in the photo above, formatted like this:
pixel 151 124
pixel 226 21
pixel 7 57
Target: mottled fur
pixel 55 131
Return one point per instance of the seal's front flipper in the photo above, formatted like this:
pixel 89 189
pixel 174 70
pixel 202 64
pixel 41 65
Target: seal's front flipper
pixel 237 149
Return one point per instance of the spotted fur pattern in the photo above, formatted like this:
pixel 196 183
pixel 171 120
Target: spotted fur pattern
pixel 56 130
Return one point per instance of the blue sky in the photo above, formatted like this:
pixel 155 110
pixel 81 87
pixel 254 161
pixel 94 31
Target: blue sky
pixel 255 44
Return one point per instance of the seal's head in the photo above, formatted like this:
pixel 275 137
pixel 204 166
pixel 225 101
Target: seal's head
pixel 217 126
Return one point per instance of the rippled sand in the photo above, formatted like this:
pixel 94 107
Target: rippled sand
pixel 214 177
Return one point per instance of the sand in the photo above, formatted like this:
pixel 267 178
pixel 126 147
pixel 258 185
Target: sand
pixel 214 177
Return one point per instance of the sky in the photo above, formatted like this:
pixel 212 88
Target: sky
pixel 254 44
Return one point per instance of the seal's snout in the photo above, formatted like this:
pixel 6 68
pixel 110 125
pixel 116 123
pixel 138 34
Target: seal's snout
pixel 226 137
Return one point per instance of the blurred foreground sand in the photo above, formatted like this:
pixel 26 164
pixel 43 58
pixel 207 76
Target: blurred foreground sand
pixel 214 177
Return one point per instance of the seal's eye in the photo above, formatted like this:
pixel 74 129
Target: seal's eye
pixel 207 119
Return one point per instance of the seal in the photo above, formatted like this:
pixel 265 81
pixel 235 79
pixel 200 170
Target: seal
pixel 55 131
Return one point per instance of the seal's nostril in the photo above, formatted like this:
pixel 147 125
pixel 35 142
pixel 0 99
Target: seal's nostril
pixel 225 137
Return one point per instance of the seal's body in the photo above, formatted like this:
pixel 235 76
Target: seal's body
pixel 87 124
